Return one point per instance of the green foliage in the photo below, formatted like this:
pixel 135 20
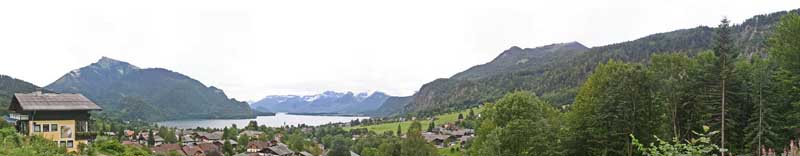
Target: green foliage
pixel 227 148
pixel 13 143
pixel 518 124
pixel 784 43
pixel 109 146
pixel 694 147
pixel 243 141
pixel 414 144
pixel 617 100
pixel 341 147
pixel 151 141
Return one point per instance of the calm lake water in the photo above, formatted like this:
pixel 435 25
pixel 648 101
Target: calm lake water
pixel 280 119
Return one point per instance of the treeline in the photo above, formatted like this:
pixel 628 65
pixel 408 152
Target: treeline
pixel 750 102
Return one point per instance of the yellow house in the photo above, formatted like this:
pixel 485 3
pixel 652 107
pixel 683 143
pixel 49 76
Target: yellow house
pixel 62 118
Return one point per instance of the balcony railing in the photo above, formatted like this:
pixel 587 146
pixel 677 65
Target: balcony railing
pixel 16 116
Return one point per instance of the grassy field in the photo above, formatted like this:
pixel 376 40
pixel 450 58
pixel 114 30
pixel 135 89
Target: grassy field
pixel 445 118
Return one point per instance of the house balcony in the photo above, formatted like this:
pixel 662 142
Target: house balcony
pixel 16 116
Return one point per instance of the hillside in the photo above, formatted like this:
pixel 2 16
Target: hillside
pixel 555 71
pixel 129 92
pixel 9 86
pixel 326 102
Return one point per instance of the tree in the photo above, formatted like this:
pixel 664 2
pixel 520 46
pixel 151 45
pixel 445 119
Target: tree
pixel 431 126
pixel 390 147
pixel 762 126
pixel 724 50
pixel 151 141
pixel 243 141
pixel 399 130
pixel 369 152
pixel 784 50
pixel 252 125
pixel 673 77
pixel 227 147
pixel 518 124
pixel 616 100
pixel 340 147
pixel 784 43
pixel 414 144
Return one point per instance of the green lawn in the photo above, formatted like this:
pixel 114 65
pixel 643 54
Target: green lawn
pixel 449 117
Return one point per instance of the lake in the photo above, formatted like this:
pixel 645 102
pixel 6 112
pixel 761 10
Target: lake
pixel 280 119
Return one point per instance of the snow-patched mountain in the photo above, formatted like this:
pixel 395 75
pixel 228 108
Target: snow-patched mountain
pixel 327 102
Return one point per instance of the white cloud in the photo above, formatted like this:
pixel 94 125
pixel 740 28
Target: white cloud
pixel 256 48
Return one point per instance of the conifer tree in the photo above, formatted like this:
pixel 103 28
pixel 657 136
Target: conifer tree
pixel 724 50
pixel 762 124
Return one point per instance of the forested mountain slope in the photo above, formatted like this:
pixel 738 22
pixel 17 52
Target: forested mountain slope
pixel 555 73
pixel 9 86
pixel 129 92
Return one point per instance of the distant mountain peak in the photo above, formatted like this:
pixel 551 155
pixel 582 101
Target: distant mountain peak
pixel 327 102
pixel 108 63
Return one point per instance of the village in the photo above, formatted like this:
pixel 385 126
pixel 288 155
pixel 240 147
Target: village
pixel 57 117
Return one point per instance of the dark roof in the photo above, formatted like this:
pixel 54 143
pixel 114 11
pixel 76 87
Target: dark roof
pixel 51 101
pixel 211 136
pixel 257 144
pixel 192 150
pixel 281 149
pixel 166 148
pixel 208 147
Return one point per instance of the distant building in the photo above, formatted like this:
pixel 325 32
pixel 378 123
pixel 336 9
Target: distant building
pixel 62 118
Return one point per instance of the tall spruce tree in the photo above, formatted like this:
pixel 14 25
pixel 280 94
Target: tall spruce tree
pixel 720 81
pixel 761 127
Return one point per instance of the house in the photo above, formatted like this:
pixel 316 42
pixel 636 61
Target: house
pixel 188 140
pixel 61 118
pixel 168 148
pixel 210 149
pixel 193 151
pixel 279 149
pixel 209 137
pixel 251 133
pixel 257 146
pixel 436 139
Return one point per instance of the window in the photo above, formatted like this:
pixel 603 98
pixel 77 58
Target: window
pixel 54 127
pixel 37 127
pixel 46 128
pixel 82 126
pixel 69 143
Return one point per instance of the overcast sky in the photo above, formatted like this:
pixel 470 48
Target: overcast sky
pixel 255 48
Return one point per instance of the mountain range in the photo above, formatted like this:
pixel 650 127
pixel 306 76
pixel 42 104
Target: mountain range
pixel 326 102
pixel 555 71
pixel 129 92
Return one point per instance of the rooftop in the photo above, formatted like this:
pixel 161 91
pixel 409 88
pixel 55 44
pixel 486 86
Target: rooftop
pixel 38 101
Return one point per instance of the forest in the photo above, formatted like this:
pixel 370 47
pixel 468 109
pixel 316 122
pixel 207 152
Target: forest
pixel 718 102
